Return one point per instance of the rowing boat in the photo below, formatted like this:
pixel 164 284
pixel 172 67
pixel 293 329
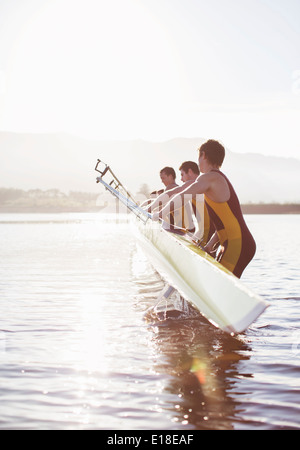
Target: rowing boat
pixel 218 294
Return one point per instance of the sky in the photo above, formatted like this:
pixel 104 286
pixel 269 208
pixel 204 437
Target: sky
pixel 154 70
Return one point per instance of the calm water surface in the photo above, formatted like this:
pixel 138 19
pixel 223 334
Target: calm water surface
pixel 76 350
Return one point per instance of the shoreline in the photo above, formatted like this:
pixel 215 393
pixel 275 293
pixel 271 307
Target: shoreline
pixel 246 209
pixel 271 208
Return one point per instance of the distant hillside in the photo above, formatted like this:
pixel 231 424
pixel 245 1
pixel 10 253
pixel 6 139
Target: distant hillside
pixel 64 162
pixel 51 200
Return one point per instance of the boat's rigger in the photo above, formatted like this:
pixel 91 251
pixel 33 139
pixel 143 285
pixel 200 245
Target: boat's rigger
pixel 211 288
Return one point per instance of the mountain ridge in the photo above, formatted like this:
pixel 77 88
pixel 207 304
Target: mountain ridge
pixel 66 162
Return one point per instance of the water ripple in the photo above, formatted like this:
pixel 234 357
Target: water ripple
pixel 79 348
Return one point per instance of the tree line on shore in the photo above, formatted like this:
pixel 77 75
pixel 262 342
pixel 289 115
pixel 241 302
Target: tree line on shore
pixel 18 199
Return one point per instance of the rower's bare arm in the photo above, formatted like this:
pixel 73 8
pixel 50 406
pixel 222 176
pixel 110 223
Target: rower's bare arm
pixel 212 242
pixel 200 186
pixel 145 203
pixel 164 198
pixel 161 200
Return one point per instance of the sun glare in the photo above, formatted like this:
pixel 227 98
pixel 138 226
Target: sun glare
pixel 147 69
pixel 96 65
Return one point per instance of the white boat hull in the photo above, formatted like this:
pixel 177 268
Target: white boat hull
pixel 212 289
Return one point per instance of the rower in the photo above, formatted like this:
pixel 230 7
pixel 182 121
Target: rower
pixel 181 220
pixel 168 178
pixel 189 173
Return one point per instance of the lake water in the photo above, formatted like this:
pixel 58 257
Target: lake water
pixel 77 352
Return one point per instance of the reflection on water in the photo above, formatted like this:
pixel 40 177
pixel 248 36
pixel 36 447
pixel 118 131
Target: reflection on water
pixel 79 349
pixel 200 377
pixel 223 382
pixel 200 362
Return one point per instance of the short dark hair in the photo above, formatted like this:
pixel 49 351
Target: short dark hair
pixel 214 152
pixel 190 165
pixel 169 171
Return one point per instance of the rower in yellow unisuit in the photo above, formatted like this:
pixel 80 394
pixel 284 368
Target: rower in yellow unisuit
pixel 238 245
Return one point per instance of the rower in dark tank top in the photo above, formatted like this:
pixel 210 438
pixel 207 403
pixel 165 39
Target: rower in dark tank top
pixel 238 245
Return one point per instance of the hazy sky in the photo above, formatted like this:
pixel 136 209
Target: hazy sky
pixel 154 69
